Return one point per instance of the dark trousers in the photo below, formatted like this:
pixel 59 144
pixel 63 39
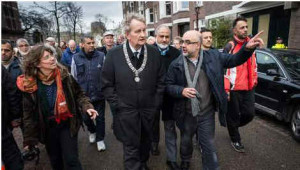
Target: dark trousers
pixel 99 128
pixel 156 128
pixel 135 156
pixel 62 148
pixel 11 155
pixel 171 140
pixel 240 112
pixel 204 126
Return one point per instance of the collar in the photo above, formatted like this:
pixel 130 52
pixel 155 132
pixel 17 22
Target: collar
pixel 241 41
pixel 195 62
pixel 134 50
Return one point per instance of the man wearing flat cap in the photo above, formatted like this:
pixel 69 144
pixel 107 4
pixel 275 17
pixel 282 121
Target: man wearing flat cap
pixel 51 41
pixel 108 38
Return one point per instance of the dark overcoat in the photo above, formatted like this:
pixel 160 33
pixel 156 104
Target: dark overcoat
pixel 135 103
pixel 213 65
pixel 167 105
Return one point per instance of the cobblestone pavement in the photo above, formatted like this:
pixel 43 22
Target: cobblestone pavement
pixel 268 146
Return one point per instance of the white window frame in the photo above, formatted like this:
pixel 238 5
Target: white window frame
pixel 199 3
pixel 201 23
pixel 177 6
pixel 163 9
pixel 147 13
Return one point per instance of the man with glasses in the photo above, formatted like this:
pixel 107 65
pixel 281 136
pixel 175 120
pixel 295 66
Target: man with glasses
pixel 195 78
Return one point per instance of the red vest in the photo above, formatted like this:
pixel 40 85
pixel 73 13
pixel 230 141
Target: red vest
pixel 242 77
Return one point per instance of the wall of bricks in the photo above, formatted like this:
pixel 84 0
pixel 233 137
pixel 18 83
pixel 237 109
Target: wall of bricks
pixel 216 7
pixel 294 36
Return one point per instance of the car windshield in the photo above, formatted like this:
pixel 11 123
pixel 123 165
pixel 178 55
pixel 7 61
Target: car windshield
pixel 291 62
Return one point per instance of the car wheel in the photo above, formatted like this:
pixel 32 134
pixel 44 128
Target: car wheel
pixel 295 124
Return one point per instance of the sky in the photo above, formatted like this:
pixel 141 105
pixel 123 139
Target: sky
pixel 112 10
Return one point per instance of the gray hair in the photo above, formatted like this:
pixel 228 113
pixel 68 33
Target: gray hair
pixel 127 21
pixel 161 27
pixel 71 41
pixel 20 40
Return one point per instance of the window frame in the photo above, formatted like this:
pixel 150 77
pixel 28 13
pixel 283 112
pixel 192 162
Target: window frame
pixel 276 61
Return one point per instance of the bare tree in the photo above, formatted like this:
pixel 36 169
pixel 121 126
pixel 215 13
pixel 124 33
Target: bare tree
pixel 73 16
pixel 56 10
pixel 33 19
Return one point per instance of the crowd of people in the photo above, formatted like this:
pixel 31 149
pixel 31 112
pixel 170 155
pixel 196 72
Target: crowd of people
pixel 50 91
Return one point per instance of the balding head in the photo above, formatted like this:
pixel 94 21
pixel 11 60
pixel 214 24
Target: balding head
pixel 191 44
pixel 193 35
pixel 72 45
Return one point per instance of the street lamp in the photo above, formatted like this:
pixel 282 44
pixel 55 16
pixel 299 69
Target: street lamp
pixel 197 9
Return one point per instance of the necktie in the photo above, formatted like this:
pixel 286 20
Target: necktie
pixel 136 54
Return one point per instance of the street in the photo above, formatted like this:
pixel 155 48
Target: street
pixel 268 144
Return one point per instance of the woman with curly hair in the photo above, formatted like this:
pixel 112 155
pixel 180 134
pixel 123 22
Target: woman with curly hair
pixel 53 103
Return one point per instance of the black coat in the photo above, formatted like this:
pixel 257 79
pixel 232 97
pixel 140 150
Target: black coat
pixel 135 103
pixel 167 105
pixel 14 69
pixel 11 101
pixel 213 65
pixel 102 49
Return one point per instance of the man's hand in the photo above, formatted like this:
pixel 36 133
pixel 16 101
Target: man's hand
pixel 189 92
pixel 27 147
pixel 255 41
pixel 15 123
pixel 92 113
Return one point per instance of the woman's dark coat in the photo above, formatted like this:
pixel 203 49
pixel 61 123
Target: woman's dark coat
pixel 34 126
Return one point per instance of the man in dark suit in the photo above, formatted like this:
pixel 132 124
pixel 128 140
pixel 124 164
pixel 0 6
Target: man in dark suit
pixel 133 83
pixel 167 54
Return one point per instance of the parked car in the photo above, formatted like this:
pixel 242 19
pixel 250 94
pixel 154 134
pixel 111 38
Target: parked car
pixel 278 89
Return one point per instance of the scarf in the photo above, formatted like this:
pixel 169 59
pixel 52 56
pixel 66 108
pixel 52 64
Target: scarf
pixel 195 102
pixel 164 51
pixel 249 62
pixel 29 85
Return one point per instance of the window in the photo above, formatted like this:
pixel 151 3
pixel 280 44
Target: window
pixel 183 28
pixel 266 62
pixel 151 33
pixel 180 6
pixel 185 4
pixel 168 7
pixel 201 23
pixel 151 15
pixel 199 3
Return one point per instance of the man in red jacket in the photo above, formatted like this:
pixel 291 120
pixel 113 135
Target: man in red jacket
pixel 239 84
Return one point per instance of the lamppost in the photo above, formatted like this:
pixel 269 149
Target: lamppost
pixel 197 9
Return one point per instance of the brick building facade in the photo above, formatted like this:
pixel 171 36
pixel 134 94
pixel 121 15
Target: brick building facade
pixel 276 18
pixel 10 20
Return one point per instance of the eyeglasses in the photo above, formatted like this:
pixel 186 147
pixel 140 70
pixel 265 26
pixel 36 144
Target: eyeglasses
pixel 47 57
pixel 25 45
pixel 188 42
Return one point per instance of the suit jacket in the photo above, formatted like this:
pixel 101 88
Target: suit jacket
pixel 135 103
